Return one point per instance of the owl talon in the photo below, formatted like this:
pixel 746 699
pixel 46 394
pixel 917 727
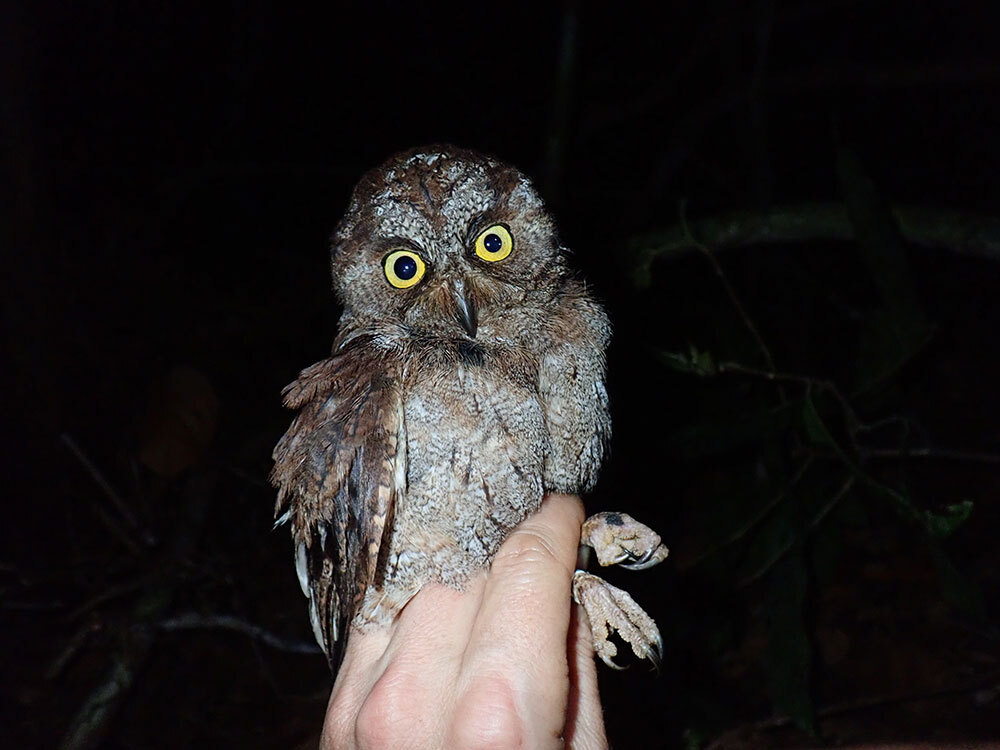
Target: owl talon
pixel 651 558
pixel 611 609
pixel 618 539
pixel 656 652
pixel 613 664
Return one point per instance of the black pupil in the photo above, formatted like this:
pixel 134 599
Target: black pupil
pixel 405 267
pixel 492 243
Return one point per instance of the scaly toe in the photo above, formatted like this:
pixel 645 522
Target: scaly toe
pixel 618 539
pixel 610 609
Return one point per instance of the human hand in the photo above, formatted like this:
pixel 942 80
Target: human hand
pixel 506 663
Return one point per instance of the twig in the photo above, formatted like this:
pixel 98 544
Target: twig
pixel 114 592
pixel 760 515
pixel 854 462
pixel 816 521
pixel 864 704
pixel 247 477
pixel 879 701
pixel 98 477
pixel 730 292
pixel 91 723
pixel 853 421
pixel 962 233
pixel 76 644
pixel 946 454
pixel 116 529
pixel 194 621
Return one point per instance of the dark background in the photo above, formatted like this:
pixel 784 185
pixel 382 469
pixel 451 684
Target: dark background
pixel 176 170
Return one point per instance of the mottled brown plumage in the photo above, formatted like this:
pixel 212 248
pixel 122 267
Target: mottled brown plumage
pixel 466 380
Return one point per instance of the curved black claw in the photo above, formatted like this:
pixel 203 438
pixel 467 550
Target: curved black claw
pixel 609 609
pixel 648 560
pixel 618 539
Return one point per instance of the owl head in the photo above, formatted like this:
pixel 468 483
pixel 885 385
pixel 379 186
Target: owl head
pixel 446 242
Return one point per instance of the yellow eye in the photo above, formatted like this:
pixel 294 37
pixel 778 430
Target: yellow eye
pixel 494 243
pixel 403 268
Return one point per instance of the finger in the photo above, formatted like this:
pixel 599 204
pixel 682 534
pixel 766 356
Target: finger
pixel 384 669
pixel 518 643
pixel 584 717
pixel 435 624
pixel 417 688
pixel 355 678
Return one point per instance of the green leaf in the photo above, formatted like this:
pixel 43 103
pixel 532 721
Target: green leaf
pixel 692 362
pixel 803 510
pixel 744 512
pixel 819 433
pixel 897 328
pixel 789 653
pixel 888 340
pixel 695 738
pixel 816 429
pixel 878 234
pixel 945 524
pixel 644 249
pixel 937 525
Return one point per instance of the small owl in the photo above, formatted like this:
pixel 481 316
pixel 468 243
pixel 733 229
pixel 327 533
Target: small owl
pixel 466 381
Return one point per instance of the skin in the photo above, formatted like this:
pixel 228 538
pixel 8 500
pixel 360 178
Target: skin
pixel 507 663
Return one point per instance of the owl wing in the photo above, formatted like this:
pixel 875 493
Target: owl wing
pixel 338 470
pixel 572 392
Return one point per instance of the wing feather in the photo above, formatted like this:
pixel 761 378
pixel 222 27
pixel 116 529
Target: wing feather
pixel 336 471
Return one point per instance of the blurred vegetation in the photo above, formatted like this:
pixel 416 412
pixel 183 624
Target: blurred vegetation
pixel 818 446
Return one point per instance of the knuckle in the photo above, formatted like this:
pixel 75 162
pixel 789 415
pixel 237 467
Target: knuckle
pixel 525 546
pixel 386 718
pixel 486 717
pixel 338 728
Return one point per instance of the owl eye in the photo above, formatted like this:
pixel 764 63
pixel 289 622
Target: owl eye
pixel 494 243
pixel 403 268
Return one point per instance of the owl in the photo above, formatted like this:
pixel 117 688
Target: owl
pixel 466 381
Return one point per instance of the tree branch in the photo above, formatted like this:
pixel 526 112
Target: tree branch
pixel 962 233
pixel 194 621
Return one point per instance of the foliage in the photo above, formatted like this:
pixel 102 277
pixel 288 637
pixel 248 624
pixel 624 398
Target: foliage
pixel 818 444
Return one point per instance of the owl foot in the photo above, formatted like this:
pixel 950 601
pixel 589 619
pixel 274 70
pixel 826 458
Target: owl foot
pixel 611 609
pixel 619 539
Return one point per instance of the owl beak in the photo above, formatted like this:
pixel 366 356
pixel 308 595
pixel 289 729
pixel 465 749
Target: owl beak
pixel 466 307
